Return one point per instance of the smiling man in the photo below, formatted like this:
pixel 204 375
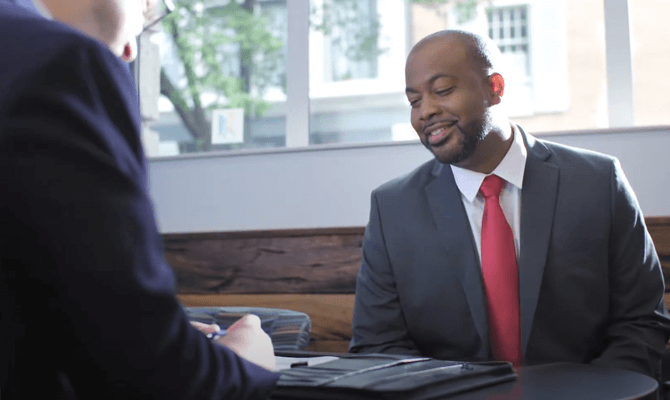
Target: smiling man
pixel 504 247
pixel 452 98
pixel 87 302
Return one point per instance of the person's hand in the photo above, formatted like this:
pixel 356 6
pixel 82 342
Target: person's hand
pixel 246 338
pixel 205 328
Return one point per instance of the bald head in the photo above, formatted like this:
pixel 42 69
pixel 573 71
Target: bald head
pixel 453 88
pixel 481 51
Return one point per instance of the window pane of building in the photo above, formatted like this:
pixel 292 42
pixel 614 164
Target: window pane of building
pixel 357 53
pixel 651 56
pixel 553 55
pixel 223 74
pixel 223 67
pixel 553 52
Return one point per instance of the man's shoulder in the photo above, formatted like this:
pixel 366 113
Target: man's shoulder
pixel 36 43
pixel 49 56
pixel 20 26
pixel 565 150
pixel 569 157
pixel 59 73
pixel 410 182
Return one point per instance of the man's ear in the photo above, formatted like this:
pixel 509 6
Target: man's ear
pixel 497 87
pixel 129 51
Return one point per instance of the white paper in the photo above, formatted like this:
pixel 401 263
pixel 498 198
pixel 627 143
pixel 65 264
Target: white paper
pixel 286 362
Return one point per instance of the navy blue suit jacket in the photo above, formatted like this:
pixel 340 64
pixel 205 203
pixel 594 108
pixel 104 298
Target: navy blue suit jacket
pixel 23 3
pixel 591 288
pixel 87 302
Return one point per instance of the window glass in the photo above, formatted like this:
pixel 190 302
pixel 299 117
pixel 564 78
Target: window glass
pixel 223 69
pixel 508 27
pixel 553 52
pixel 357 51
pixel 651 56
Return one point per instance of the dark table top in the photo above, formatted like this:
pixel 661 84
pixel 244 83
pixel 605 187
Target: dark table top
pixel 558 381
pixel 567 381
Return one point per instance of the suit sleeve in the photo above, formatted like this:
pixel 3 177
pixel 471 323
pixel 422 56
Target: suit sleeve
pixel 85 243
pixel 378 324
pixel 639 325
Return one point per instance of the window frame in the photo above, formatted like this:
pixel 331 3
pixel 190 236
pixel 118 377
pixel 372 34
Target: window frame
pixel 621 113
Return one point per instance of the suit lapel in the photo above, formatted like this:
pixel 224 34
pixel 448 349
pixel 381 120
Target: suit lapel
pixel 538 201
pixel 454 229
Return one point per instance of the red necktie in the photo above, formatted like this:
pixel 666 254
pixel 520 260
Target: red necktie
pixel 501 275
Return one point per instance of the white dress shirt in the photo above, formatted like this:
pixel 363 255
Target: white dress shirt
pixel 511 170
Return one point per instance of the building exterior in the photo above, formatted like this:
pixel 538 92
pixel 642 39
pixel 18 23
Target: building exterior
pixel 556 70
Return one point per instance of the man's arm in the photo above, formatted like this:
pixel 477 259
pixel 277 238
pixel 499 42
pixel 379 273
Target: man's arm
pixel 639 324
pixel 85 242
pixel 378 324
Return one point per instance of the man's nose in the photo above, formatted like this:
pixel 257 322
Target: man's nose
pixel 429 108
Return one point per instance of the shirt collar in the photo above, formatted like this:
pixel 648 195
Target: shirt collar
pixel 511 169
pixel 41 8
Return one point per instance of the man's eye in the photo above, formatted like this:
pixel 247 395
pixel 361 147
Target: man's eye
pixel 445 91
pixel 414 103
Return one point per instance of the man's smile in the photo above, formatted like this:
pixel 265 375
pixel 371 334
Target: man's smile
pixel 439 132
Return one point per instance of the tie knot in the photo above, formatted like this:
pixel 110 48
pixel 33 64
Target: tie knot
pixel 491 186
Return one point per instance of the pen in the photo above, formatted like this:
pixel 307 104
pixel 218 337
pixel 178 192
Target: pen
pixel 217 334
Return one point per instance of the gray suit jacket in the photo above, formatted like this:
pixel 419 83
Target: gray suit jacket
pixel 591 288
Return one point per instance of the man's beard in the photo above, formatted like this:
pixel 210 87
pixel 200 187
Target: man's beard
pixel 471 135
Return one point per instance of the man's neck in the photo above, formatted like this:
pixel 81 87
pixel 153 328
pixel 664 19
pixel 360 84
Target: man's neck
pixel 42 9
pixel 79 14
pixel 491 150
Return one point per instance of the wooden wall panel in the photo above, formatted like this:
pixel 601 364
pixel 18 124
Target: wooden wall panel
pixel 659 229
pixel 308 270
pixel 296 261
pixel 293 261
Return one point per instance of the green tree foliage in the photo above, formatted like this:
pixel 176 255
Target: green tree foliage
pixel 349 27
pixel 225 51
pixel 229 54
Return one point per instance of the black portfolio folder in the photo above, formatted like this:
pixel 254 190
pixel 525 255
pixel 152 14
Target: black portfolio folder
pixel 385 376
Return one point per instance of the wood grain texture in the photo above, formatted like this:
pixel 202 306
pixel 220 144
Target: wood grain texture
pixel 293 261
pixel 659 229
pixel 330 313
pixel 296 261
pixel 298 270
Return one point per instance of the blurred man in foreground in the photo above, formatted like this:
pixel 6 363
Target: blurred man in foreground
pixel 87 301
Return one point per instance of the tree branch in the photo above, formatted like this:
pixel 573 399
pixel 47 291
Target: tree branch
pixel 198 120
pixel 172 93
